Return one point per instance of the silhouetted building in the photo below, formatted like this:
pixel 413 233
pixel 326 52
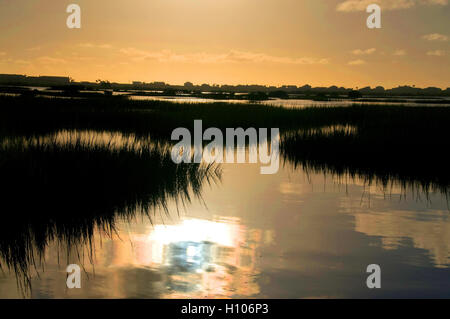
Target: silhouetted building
pixel 15 79
pixel 50 80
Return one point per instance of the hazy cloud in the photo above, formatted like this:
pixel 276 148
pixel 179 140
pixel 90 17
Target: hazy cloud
pixel 399 52
pixel 82 58
pixel 233 56
pixel 50 60
pixel 361 5
pixel 240 56
pixel 20 61
pixel 357 62
pixel 34 49
pixel 436 53
pixel 364 52
pixel 97 46
pixel 435 37
pixel 15 61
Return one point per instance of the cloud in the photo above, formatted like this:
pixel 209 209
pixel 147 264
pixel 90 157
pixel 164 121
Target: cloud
pixel 15 61
pixel 82 58
pixel 97 46
pixel 50 60
pixel 363 52
pixel 436 53
pixel 240 56
pixel 34 49
pixel 357 62
pixel 233 56
pixel 399 52
pixel 24 62
pixel 435 37
pixel 361 5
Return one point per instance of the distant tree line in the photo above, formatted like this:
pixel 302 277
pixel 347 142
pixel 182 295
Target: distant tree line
pixel 189 87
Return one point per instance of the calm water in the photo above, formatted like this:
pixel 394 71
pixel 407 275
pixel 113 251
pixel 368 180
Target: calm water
pixel 291 103
pixel 295 234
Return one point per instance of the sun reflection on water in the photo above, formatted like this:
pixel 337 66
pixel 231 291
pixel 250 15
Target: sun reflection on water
pixel 197 258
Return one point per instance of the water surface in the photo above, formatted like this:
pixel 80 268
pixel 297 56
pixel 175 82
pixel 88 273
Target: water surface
pixel 293 103
pixel 296 234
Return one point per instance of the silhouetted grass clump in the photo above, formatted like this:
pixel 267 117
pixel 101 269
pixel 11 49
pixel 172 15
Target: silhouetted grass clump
pixel 382 155
pixel 393 141
pixel 20 115
pixel 52 191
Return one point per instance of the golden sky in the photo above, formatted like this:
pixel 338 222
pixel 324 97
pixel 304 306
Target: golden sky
pixel 271 42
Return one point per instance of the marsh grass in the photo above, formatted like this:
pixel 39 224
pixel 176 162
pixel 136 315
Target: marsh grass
pixel 65 189
pixel 117 114
pixel 65 192
pixel 36 115
pixel 386 158
pixel 408 143
pixel 393 142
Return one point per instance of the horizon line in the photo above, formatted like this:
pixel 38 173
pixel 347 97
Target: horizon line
pixel 131 82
